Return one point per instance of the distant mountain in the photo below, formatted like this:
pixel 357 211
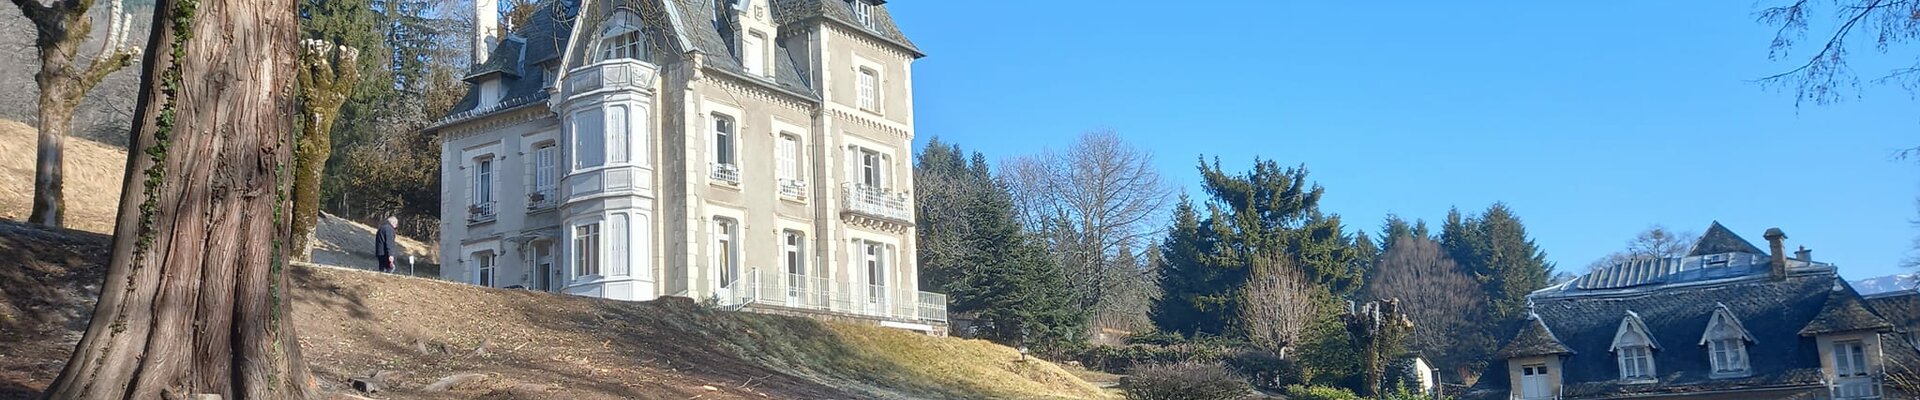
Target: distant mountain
pixel 1885 284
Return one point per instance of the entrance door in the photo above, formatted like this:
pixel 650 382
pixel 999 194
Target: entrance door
pixel 1533 382
pixel 543 271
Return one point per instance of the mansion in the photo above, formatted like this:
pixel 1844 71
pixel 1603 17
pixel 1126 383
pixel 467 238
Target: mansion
pixel 752 152
pixel 1726 321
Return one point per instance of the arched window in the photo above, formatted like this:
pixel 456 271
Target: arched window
pixel 623 37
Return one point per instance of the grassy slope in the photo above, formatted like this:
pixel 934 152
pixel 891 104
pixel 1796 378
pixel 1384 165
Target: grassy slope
pixel 537 345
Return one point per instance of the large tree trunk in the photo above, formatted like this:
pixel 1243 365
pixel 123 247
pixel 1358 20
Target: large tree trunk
pixel 196 297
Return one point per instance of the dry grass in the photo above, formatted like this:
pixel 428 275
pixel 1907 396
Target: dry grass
pixel 95 172
pixel 530 344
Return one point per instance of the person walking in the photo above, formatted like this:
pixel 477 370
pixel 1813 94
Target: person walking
pixel 384 244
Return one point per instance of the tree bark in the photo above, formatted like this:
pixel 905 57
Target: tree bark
pixel 328 73
pixel 195 299
pixel 59 29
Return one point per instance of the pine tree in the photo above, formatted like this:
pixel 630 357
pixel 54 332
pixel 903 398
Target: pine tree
pixel 1494 248
pixel 974 249
pixel 1270 208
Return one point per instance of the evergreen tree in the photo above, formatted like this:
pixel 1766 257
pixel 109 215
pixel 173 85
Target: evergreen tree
pixel 976 251
pixel 1270 208
pixel 1494 248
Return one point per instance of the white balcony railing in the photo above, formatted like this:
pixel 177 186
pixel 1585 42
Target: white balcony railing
pixel 611 74
pixel 729 173
pixel 543 198
pixel 876 202
pixel 1856 389
pixel 793 189
pixel 482 212
pixel 818 294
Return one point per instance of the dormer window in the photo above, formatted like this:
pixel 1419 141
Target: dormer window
pixel 753 56
pixel 862 12
pixel 623 38
pixel 1633 348
pixel 1726 342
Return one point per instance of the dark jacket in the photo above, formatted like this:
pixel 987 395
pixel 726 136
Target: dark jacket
pixel 383 243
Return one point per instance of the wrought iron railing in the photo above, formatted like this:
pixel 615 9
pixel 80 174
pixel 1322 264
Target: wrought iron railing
pixel 482 212
pixel 793 188
pixel 1857 388
pixel 876 202
pixel 729 173
pixel 542 198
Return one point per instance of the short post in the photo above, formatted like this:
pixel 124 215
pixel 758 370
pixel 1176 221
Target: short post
pixel 410 265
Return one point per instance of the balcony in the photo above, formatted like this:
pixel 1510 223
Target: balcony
pixel 613 75
pixel 814 293
pixel 480 213
pixel 876 202
pixel 728 173
pixel 793 189
pixel 1856 388
pixel 543 199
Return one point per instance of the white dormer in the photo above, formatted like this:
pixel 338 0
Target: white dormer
pixel 1633 348
pixel 1726 341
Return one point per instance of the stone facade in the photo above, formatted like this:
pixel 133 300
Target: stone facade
pixel 751 152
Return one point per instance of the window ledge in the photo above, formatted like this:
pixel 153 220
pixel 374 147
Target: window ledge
pixel 1638 381
pixel 1729 375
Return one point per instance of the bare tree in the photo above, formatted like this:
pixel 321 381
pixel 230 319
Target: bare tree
pixel 1279 303
pixel 1095 200
pixel 1446 305
pixel 196 298
pixel 1657 242
pixel 60 26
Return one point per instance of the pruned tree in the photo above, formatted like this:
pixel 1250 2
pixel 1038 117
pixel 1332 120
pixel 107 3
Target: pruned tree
pixel 196 298
pixel 1657 242
pixel 1092 203
pixel 1379 330
pixel 1445 304
pixel 60 26
pixel 328 73
pixel 1279 305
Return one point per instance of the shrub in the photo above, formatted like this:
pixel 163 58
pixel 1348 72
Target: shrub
pixel 1298 392
pixel 1185 381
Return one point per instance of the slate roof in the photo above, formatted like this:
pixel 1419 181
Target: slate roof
pixel 1844 313
pixel 1901 308
pixel 519 58
pixel 1773 311
pixel 1535 339
pixel 1719 239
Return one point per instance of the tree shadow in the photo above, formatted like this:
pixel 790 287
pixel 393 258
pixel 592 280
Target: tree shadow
pixel 326 293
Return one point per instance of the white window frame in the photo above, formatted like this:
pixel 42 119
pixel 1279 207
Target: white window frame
pixel 875 261
pixel 1728 356
pixel 1636 363
pixel 484 264
pixel 1850 359
pixel 546 167
pixel 589 139
pixel 787 155
pixel 726 251
pixel 623 38
pixel 867 88
pixel 862 12
pixel 588 249
pixel 484 175
pixel 873 169
pixel 725 139
pixel 753 54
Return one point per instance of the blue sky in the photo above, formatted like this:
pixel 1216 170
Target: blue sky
pixel 1592 120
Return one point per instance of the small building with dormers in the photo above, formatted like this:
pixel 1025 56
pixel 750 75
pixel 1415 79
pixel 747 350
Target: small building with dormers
pixel 1726 321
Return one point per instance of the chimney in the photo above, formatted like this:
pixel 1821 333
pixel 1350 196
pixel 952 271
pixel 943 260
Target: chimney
pixel 1803 254
pixel 486 29
pixel 1776 242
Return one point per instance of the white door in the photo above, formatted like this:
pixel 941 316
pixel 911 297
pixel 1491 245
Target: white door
pixel 1533 382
